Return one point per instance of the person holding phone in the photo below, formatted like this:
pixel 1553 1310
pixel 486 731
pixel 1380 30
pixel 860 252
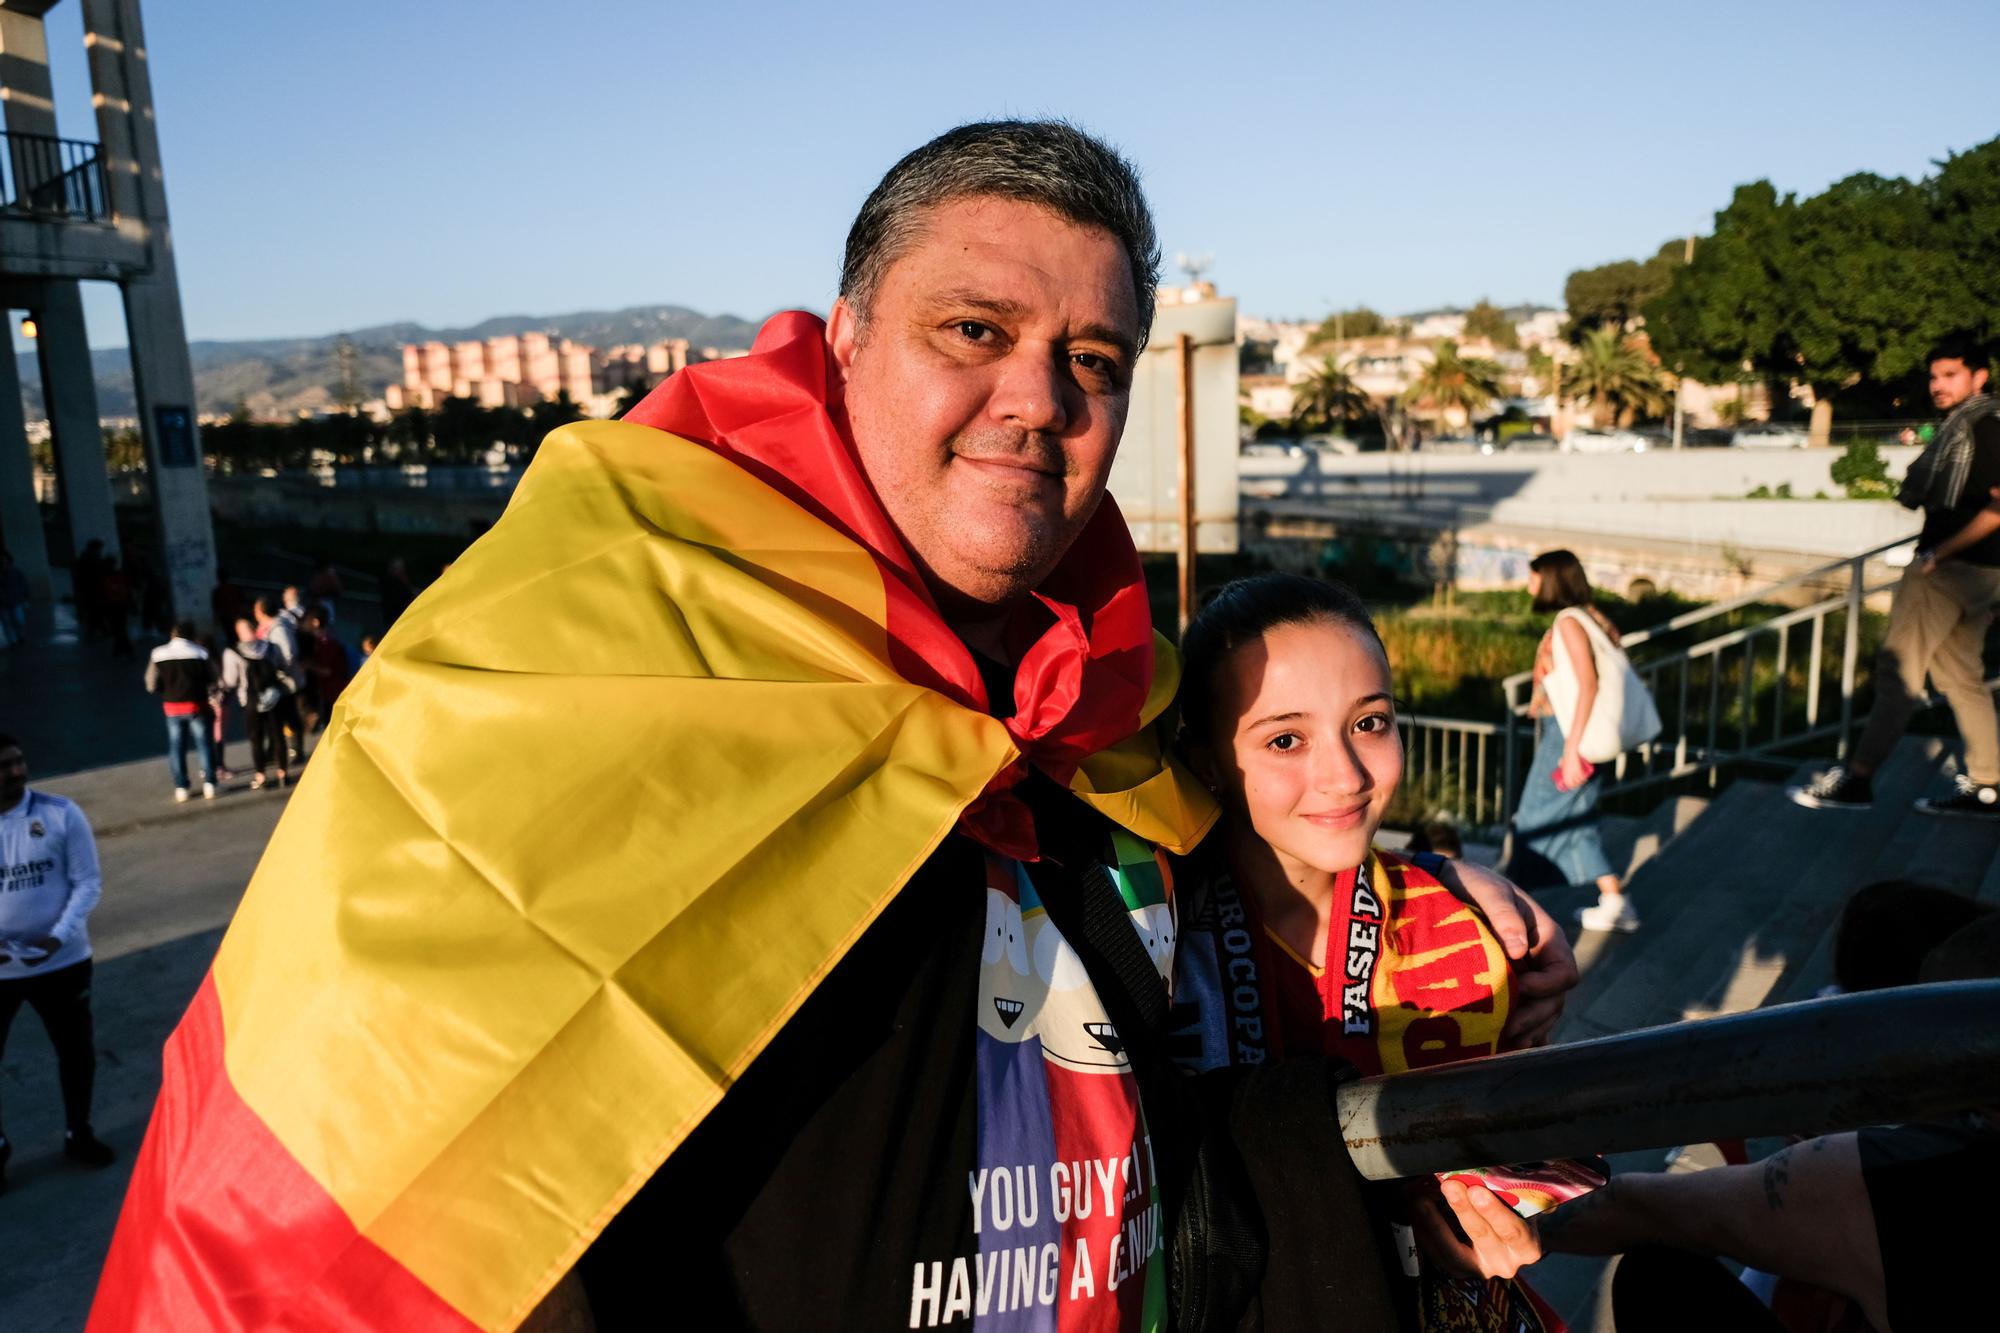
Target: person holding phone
pixel 1557 819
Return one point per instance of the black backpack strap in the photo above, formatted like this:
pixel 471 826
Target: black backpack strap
pixel 1214 1236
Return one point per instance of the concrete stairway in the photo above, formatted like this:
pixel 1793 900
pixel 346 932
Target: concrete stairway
pixel 1740 907
pixel 1740 902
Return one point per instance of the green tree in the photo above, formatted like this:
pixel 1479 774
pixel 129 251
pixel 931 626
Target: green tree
pixel 1723 315
pixel 1466 383
pixel 1866 280
pixel 1327 397
pixel 1964 198
pixel 1488 321
pixel 410 430
pixel 1360 322
pixel 1610 372
pixel 1616 293
pixel 1842 292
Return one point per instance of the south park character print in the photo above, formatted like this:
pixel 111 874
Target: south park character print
pixel 1066 1214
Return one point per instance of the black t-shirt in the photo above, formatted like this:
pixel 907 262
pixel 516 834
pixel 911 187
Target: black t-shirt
pixel 950 1130
pixel 838 1161
pixel 1941 524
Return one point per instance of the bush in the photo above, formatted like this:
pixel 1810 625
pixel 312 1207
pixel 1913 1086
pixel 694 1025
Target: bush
pixel 1861 469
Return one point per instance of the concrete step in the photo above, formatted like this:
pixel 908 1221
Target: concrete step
pixel 1659 893
pixel 1633 840
pixel 1894 842
pixel 1737 908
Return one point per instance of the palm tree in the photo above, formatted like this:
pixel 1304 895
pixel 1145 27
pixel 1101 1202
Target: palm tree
pixel 1467 383
pixel 1610 371
pixel 1327 396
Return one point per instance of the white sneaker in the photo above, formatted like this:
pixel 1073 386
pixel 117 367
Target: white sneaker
pixel 180 794
pixel 208 791
pixel 1611 912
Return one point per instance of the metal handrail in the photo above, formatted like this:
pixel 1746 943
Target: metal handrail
pixel 1456 769
pixel 1695 617
pixel 1909 1053
pixel 41 174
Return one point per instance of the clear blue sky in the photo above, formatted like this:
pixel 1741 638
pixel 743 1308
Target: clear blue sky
pixel 332 166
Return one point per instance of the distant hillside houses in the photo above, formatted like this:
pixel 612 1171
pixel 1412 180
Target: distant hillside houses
pixel 519 370
pixel 1279 354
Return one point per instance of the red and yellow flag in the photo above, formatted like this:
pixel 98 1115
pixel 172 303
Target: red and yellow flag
pixel 609 802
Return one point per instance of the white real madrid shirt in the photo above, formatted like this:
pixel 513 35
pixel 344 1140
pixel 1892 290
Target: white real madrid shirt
pixel 48 882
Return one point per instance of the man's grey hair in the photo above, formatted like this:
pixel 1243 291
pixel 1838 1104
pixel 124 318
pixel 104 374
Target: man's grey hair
pixel 1050 163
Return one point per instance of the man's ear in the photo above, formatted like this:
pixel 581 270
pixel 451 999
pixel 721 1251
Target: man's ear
pixel 843 333
pixel 1979 380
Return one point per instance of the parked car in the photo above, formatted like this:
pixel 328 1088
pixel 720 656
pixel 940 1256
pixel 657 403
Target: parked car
pixel 1599 440
pixel 1451 444
pixel 1273 449
pixel 1769 435
pixel 1529 442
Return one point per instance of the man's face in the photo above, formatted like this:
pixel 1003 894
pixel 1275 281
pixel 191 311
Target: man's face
pixel 13 777
pixel 988 390
pixel 1952 383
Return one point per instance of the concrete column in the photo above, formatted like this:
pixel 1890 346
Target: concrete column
pixel 20 518
pixel 129 144
pixel 69 393
pixel 27 92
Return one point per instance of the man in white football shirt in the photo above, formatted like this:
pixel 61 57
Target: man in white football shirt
pixel 48 884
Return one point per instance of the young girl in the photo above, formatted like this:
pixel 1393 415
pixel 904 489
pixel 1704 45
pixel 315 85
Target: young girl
pixel 1286 714
pixel 1297 935
pixel 1557 816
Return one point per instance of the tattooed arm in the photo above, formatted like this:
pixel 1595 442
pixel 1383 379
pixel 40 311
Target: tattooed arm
pixel 1802 1213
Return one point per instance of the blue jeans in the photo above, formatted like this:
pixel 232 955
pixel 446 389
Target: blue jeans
pixel 178 730
pixel 1560 827
pixel 14 624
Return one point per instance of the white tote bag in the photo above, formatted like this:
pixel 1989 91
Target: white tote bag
pixel 1623 716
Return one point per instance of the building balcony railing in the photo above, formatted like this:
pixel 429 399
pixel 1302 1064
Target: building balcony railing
pixel 50 177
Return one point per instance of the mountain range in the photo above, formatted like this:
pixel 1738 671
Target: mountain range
pixel 281 377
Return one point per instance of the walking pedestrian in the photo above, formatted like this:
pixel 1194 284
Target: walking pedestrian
pixel 179 672
pixel 1944 603
pixel 249 669
pixel 215 712
pixel 280 631
pixel 114 607
pixel 329 666
pixel 1557 819
pixel 86 579
pixel 48 885
pixel 228 603
pixel 326 588
pixel 397 591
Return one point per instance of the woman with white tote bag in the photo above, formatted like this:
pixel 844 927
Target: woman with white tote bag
pixel 1591 718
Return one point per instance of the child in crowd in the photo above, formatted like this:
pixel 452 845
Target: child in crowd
pixel 1297 935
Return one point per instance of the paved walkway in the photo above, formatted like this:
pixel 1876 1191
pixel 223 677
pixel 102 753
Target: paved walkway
pixel 74 704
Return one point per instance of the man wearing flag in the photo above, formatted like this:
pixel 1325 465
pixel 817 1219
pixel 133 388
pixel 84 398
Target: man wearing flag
pixel 762 919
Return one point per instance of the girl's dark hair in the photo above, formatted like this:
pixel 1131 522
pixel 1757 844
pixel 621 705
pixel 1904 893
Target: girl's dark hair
pixel 1563 581
pixel 1244 610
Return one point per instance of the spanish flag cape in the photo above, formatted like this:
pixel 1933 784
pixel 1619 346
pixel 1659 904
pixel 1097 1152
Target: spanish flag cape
pixel 609 802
